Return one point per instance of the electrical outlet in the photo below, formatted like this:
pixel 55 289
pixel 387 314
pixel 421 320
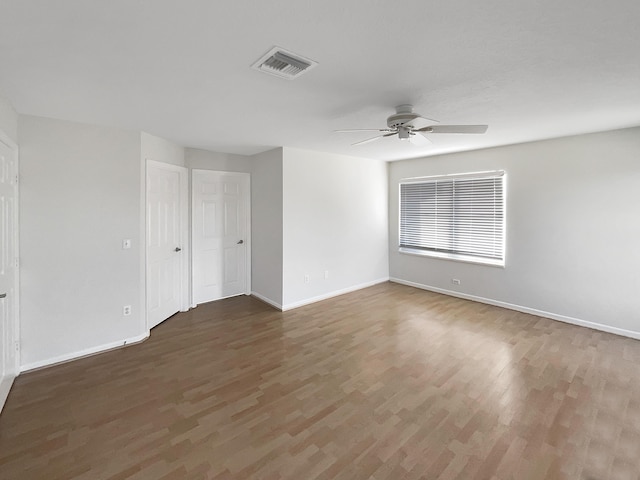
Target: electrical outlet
pixel 455 281
pixel 306 278
pixel 326 274
pixel 126 310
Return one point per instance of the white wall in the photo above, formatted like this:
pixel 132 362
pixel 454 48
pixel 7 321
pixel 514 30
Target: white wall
pixel 161 150
pixel 266 226
pixel 334 220
pixel 573 224
pixel 8 120
pixel 80 197
pixel 222 162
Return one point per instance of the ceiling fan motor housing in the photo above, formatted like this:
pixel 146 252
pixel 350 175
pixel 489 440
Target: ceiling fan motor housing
pixel 403 116
pixel 394 121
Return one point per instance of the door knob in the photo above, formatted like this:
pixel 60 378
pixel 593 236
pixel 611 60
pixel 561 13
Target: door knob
pixel 240 242
pixel 178 249
pixel 2 295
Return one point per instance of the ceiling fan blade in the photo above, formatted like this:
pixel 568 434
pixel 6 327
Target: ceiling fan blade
pixel 455 129
pixel 374 138
pixel 419 122
pixel 419 139
pixel 368 140
pixel 363 130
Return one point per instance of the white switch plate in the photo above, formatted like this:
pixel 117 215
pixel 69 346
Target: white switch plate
pixel 126 243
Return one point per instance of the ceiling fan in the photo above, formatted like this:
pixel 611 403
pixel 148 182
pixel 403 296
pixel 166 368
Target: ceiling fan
pixel 412 127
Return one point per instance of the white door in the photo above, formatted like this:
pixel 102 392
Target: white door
pixel 166 237
pixel 8 266
pixel 220 235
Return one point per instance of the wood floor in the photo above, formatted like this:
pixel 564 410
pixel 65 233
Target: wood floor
pixel 389 382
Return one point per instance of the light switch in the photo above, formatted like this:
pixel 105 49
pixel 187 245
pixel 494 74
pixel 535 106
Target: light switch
pixel 126 243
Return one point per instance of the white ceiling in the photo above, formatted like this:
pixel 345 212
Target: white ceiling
pixel 181 69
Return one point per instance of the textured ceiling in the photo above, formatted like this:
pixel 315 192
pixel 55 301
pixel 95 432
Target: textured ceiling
pixel 181 69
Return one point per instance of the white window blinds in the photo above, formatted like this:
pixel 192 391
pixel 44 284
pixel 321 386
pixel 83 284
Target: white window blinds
pixel 459 216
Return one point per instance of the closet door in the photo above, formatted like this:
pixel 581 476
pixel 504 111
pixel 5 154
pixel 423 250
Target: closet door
pixel 166 237
pixel 9 337
pixel 220 235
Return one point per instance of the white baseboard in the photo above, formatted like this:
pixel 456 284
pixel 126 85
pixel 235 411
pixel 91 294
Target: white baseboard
pixel 335 293
pixel 540 313
pixel 5 386
pixel 267 300
pixel 83 353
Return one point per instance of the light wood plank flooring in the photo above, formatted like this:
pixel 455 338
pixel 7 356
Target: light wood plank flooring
pixel 389 382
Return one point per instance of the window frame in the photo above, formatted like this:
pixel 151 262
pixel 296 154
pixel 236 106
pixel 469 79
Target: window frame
pixel 455 256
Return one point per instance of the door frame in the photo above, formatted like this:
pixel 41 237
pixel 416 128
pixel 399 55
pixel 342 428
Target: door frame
pixel 14 323
pixel 247 251
pixel 185 240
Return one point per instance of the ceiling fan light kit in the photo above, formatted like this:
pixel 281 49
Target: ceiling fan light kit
pixel 404 133
pixel 411 127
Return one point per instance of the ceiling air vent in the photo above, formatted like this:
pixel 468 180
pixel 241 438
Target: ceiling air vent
pixel 284 64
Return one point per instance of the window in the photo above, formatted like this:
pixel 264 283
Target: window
pixel 460 217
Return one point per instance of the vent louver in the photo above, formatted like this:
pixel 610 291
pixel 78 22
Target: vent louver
pixel 283 64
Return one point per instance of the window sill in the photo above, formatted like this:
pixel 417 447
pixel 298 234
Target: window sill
pixel 453 256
